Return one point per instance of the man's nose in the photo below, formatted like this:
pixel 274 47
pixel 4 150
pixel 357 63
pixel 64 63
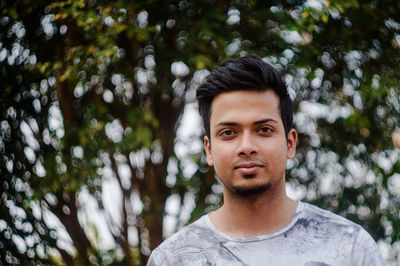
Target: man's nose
pixel 247 145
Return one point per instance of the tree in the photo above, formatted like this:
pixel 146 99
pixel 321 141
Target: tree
pixel 93 92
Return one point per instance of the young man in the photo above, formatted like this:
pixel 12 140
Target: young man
pixel 248 118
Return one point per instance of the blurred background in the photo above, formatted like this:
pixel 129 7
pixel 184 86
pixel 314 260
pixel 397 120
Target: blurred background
pixel 100 139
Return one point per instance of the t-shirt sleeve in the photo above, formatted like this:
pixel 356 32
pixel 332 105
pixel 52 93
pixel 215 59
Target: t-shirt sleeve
pixel 155 259
pixel 365 251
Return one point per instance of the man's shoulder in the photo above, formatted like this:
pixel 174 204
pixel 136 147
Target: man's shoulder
pixel 192 238
pixel 189 233
pixel 324 223
pixel 315 214
pixel 340 230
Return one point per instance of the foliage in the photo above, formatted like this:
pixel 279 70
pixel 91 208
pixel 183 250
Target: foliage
pixel 92 94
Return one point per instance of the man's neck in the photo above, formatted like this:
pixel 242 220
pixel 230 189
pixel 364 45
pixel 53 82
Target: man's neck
pixel 254 215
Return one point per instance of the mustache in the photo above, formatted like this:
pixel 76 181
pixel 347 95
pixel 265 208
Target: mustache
pixel 248 162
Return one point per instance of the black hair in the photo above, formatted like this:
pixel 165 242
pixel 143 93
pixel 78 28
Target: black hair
pixel 251 73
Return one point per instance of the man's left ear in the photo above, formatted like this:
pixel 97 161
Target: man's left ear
pixel 207 148
pixel 291 143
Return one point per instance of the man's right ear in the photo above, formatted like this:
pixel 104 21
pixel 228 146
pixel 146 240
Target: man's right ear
pixel 207 148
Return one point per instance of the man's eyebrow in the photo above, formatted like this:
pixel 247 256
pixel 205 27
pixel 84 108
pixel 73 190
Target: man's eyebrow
pixel 226 124
pixel 259 122
pixel 265 121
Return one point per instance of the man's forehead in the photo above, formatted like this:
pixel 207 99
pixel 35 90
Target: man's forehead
pixel 245 101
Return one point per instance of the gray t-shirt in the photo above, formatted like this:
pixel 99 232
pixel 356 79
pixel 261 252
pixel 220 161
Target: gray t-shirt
pixel 313 237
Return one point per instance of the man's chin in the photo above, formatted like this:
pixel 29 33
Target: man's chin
pixel 244 192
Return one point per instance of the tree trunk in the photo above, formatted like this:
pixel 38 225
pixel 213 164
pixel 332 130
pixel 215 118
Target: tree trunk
pixel 70 220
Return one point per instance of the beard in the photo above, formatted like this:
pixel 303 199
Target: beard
pixel 245 192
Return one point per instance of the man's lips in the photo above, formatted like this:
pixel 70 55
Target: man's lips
pixel 248 168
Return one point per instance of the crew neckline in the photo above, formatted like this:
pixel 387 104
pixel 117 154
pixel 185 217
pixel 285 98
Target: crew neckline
pixel 296 216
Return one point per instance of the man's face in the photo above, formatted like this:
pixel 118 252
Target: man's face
pixel 248 146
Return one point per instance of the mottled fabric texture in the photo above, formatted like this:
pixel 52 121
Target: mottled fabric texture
pixel 313 237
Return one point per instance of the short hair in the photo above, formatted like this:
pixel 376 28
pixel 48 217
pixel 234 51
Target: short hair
pixel 249 73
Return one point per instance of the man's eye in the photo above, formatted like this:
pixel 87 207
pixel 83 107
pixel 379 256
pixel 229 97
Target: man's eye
pixel 227 133
pixel 265 129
